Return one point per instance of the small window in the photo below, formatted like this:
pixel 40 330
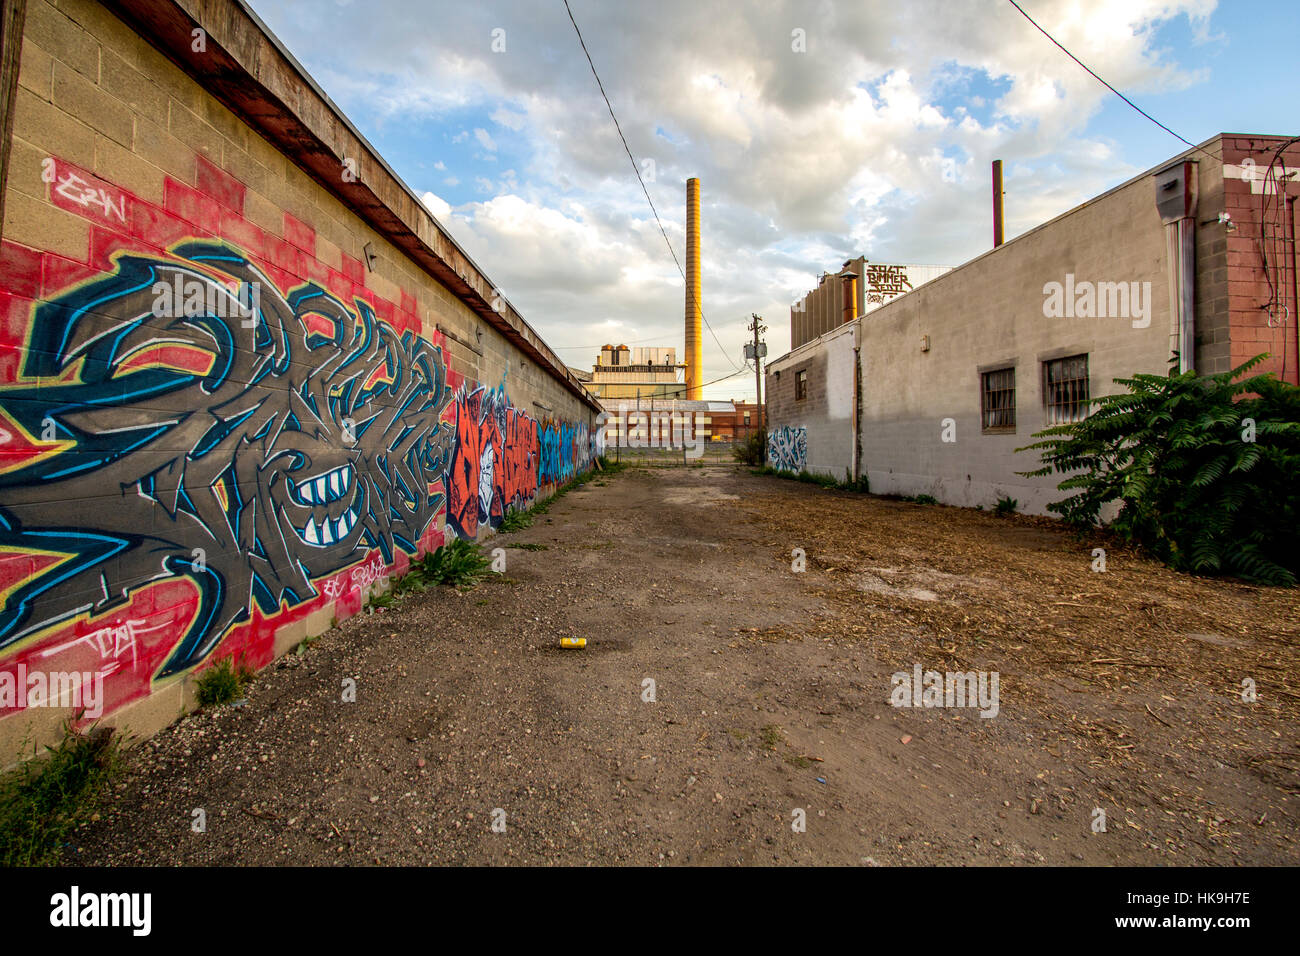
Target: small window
pixel 746 418
pixel 801 385
pixel 998 400
pixel 1065 389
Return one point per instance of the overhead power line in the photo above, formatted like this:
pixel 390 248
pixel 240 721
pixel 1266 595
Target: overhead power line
pixel 597 348
pixel 635 169
pixel 1096 77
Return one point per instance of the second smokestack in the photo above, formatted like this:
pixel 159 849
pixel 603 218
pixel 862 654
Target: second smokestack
pixel 997 203
pixel 694 310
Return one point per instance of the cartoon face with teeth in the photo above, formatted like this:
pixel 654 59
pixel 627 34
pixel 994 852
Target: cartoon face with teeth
pixel 323 490
pixel 281 447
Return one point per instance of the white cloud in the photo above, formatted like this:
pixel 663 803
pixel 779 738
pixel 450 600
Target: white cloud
pixel 438 206
pixel 858 146
pixel 510 119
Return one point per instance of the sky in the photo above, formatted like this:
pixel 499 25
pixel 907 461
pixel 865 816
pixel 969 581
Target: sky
pixel 820 130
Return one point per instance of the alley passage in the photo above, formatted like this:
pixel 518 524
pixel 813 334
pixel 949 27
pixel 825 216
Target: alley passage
pixel 731 708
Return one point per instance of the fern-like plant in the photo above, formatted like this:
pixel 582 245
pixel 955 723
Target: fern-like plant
pixel 1204 469
pixel 458 564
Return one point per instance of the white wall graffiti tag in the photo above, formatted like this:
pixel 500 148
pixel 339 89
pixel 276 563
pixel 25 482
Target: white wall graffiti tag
pixel 75 189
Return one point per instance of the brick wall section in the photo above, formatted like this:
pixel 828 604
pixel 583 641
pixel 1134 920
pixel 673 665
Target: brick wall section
pixel 116 151
pixel 1242 265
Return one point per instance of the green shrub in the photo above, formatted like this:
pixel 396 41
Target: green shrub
pixel 384 601
pixel 1006 506
pixel 515 519
pixel 1203 467
pixel 45 799
pixel 223 682
pixel 752 450
pixel 860 484
pixel 412 581
pixel 922 499
pixel 459 564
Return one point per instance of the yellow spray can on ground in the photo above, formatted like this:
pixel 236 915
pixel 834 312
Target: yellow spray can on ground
pixel 573 642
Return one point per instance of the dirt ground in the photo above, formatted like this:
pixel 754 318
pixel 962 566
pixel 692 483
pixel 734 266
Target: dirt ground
pixel 1119 690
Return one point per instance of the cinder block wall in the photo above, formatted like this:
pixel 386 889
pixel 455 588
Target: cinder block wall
pixel 922 355
pixel 825 415
pixel 160 507
pixel 990 314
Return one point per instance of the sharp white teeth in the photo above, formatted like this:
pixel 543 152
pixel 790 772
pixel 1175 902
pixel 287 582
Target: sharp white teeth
pixel 309 533
pixel 320 488
pixel 347 478
pixel 335 485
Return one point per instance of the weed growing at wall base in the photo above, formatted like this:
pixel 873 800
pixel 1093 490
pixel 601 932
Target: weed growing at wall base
pixel 43 801
pixel 516 519
pixel 459 565
pixel 222 683
pixel 860 485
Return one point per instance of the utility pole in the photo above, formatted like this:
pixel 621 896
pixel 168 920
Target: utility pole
pixel 759 350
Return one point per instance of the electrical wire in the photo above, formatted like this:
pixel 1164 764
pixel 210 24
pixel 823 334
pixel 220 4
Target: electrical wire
pixel 635 169
pixel 1270 186
pixel 652 338
pixel 743 371
pixel 1270 177
pixel 748 368
pixel 1279 240
pixel 1107 85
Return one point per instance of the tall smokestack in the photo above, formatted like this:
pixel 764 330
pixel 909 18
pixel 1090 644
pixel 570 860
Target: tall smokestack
pixel 694 343
pixel 997 203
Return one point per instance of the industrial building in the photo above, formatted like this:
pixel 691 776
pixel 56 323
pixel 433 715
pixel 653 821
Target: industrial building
pixel 933 391
pixel 621 373
pixel 870 285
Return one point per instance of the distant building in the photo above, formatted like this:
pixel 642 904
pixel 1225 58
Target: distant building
pixel 622 373
pixel 736 424
pixel 874 285
pixel 662 422
pixel 935 390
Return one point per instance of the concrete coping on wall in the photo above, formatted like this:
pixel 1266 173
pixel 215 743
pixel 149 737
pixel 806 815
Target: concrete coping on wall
pixel 794 354
pixel 246 67
pixel 1194 152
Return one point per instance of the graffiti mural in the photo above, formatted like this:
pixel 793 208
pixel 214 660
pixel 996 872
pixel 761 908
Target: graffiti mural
pixel 189 449
pixel 494 466
pixel 787 448
pixel 250 454
pixel 205 441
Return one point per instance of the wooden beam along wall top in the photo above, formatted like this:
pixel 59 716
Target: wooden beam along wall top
pixel 245 68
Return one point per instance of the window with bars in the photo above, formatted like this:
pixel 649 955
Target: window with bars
pixel 1065 389
pixel 801 385
pixel 998 400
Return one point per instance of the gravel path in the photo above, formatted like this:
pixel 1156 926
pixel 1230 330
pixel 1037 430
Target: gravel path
pixel 474 738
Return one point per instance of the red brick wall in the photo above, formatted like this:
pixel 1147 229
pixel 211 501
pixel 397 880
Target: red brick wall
pixel 1252 329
